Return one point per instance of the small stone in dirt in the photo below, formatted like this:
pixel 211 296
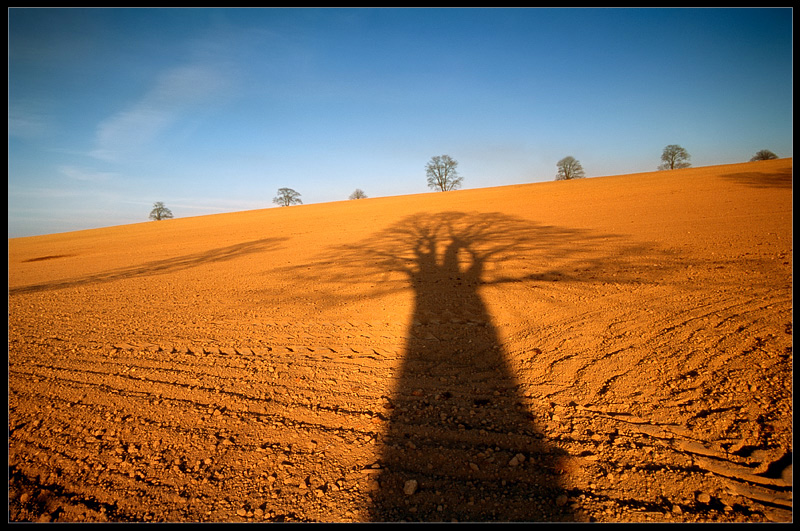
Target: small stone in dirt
pixel 562 500
pixel 516 460
pixel 410 487
pixel 786 474
pixel 703 497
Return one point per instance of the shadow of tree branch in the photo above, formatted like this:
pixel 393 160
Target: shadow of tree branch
pixel 156 267
pixel 759 179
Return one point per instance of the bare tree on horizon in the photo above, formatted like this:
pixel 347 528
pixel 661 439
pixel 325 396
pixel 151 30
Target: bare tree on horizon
pixel 569 168
pixel 358 194
pixel 287 197
pixel 442 173
pixel 160 212
pixel 674 157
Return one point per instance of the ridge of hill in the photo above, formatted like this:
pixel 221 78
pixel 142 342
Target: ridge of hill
pixel 741 171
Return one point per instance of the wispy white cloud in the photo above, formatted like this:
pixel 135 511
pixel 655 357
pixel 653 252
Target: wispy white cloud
pixel 18 194
pixel 200 206
pixel 196 206
pixel 177 93
pixel 28 119
pixel 85 174
pixel 189 85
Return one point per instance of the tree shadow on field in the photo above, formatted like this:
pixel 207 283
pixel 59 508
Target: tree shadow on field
pixel 461 445
pixel 155 267
pixel 760 179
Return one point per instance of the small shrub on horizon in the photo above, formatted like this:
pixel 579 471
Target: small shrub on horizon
pixel 764 154
pixel 358 194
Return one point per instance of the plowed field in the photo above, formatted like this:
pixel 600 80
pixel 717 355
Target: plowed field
pixel 613 349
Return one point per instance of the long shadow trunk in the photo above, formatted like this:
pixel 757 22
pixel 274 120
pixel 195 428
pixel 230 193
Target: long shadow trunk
pixel 460 445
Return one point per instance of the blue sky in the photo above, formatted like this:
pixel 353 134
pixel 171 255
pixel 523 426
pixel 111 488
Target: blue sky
pixel 213 110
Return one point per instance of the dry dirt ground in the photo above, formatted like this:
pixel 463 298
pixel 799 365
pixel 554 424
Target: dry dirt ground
pixel 614 349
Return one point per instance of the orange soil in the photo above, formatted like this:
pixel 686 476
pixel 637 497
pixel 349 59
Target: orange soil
pixel 605 349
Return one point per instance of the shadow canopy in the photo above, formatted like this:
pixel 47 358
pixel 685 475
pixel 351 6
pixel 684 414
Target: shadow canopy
pixel 461 443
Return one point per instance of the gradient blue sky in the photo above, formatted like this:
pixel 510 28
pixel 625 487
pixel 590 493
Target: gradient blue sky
pixel 213 110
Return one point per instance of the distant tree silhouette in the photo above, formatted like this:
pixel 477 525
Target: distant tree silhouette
pixel 160 212
pixel 764 154
pixel 674 157
pixel 358 194
pixel 569 168
pixel 287 197
pixel 442 173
